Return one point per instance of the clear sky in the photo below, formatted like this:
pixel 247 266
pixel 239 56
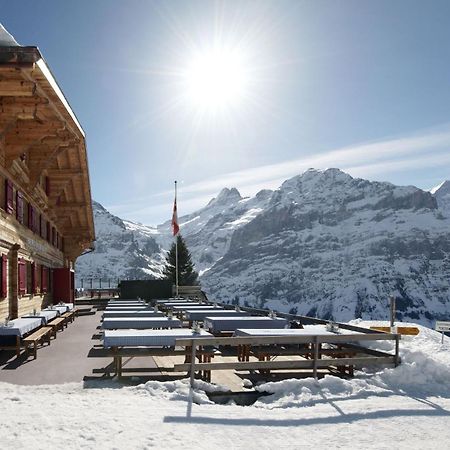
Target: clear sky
pixel 245 93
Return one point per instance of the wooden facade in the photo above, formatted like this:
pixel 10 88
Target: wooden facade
pixel 46 218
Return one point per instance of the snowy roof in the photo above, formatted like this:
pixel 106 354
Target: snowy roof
pixel 6 39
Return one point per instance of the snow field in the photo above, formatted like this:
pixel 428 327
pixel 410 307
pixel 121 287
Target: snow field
pixel 406 407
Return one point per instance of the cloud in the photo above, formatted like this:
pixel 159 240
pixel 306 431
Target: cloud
pixel 374 159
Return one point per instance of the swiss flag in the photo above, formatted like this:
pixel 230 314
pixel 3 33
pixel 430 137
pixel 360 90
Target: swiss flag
pixel 175 226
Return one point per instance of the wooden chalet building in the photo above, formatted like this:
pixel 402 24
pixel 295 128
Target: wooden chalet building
pixel 46 218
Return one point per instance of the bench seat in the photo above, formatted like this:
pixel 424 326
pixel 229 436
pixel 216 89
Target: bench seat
pixel 43 334
pixel 57 324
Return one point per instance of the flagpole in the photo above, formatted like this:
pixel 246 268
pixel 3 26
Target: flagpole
pixel 176 251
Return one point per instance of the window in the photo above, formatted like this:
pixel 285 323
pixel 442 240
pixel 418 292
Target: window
pixel 31 215
pixel 19 206
pixel 22 277
pixel 36 278
pixel 29 277
pixel 44 279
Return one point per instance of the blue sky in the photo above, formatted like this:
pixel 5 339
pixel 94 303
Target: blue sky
pixel 359 85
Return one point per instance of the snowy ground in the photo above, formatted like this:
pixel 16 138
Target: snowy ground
pixel 406 407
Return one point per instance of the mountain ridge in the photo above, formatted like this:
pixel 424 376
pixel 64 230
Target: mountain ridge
pixel 324 244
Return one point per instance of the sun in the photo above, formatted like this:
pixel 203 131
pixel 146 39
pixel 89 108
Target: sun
pixel 216 79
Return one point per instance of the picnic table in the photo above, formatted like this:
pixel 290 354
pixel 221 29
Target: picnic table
pixel 200 314
pixel 112 323
pixel 144 313
pixel 194 307
pixel 267 352
pixel 228 324
pixel 46 315
pixel 127 308
pixel 134 343
pixel 11 334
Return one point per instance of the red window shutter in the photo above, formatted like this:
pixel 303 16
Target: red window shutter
pixel 19 206
pixel 48 232
pixel 9 197
pixel 53 235
pixel 62 243
pixel 44 279
pixel 22 272
pixel 4 276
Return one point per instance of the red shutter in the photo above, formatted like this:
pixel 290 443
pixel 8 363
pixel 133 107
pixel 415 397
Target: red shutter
pixel 44 279
pixel 4 276
pixel 22 272
pixel 53 235
pixel 19 206
pixel 9 197
pixel 48 232
pixel 30 217
pixel 62 243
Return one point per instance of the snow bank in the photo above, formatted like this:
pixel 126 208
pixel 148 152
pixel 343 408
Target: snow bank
pixel 425 370
pixel 403 408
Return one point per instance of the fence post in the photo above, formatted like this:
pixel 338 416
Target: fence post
pixel 397 348
pixel 316 356
pixel 392 311
pixel 193 351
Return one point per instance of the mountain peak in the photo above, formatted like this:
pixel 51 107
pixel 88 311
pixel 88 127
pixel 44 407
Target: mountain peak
pixel 226 196
pixel 441 189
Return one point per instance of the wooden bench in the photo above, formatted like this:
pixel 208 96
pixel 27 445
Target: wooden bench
pixel 69 316
pixel 57 324
pixel 43 334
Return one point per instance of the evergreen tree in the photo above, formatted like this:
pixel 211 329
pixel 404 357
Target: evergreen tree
pixel 187 276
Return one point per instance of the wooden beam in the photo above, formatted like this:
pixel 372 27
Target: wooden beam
pixel 63 173
pixel 16 88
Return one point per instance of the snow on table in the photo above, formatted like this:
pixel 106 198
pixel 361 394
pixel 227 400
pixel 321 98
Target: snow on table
pixel 45 315
pixel 308 330
pixel 126 304
pixel 149 338
pixel 140 322
pixel 200 314
pixel 20 327
pixel 110 314
pixel 193 307
pixel 127 308
pixel 230 323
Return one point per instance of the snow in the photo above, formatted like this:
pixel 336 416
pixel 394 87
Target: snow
pixel 6 39
pixel 402 408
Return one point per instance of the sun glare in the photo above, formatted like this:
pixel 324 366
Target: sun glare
pixel 216 79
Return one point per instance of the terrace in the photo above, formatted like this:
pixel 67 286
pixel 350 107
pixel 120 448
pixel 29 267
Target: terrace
pixel 93 348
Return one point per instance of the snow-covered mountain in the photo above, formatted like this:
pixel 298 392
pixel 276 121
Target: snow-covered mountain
pixel 122 250
pixel 323 244
pixel 442 195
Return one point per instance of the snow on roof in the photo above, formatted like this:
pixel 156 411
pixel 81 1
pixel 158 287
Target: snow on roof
pixel 6 39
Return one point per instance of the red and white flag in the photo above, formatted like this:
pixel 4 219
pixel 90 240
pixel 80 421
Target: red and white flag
pixel 175 226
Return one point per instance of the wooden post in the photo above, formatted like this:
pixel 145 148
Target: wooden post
pixel 193 351
pixel 392 311
pixel 316 356
pixel 397 349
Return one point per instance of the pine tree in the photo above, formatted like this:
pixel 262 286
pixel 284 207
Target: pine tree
pixel 187 276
